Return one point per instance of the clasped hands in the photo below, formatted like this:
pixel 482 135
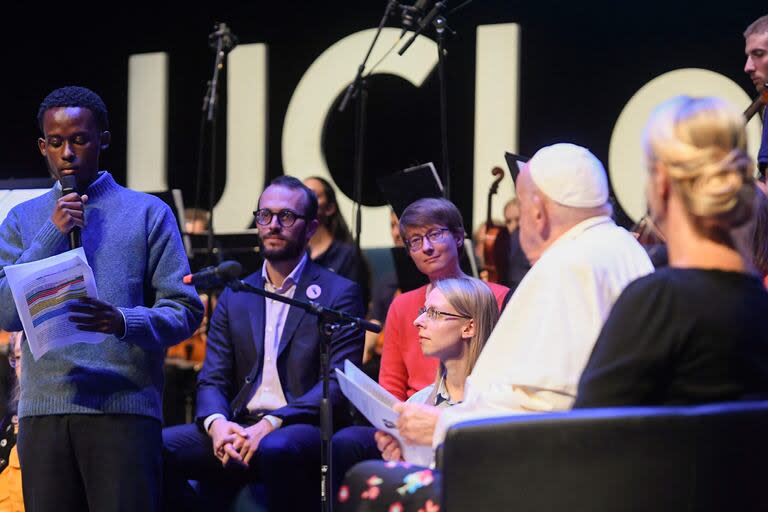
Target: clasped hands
pixel 416 425
pixel 235 444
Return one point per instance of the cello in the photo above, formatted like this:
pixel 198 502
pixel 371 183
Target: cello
pixel 496 241
pixel 759 102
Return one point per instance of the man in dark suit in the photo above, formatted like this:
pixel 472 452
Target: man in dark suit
pixel 259 392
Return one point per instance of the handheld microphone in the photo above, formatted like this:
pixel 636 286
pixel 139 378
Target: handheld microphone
pixel 214 277
pixel 69 185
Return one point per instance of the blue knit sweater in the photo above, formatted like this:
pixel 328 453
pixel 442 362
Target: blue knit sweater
pixel 133 244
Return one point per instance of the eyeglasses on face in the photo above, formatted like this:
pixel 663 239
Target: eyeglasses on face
pixel 285 217
pixel 434 236
pixel 436 314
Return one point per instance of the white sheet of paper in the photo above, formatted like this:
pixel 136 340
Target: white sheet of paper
pixel 375 403
pixel 43 291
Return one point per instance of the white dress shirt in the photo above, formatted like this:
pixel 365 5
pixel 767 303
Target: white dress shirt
pixel 534 357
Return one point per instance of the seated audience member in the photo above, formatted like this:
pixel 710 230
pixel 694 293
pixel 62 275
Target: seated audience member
pixel 517 264
pixel 11 498
pixel 512 215
pixel 332 245
pixel 457 318
pixel 259 392
pixel 694 332
pixel 433 232
pixel 196 220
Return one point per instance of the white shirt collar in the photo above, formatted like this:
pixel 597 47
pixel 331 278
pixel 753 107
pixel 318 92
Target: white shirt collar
pixel 292 278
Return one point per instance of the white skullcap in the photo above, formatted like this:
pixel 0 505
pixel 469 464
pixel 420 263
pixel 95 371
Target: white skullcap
pixel 570 175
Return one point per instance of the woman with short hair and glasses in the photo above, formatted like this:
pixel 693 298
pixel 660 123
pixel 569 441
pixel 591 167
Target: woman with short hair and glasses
pixel 453 326
pixel 433 232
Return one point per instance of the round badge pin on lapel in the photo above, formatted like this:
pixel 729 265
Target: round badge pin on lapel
pixel 313 291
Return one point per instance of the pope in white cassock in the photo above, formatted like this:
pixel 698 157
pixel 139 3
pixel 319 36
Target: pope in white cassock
pixel 581 261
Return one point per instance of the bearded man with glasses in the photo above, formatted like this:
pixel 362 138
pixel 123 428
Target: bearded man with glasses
pixel 259 392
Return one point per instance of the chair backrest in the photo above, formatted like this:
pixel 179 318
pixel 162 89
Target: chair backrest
pixel 380 261
pixel 703 458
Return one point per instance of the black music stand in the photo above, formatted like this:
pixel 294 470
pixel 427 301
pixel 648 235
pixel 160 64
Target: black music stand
pixel 515 163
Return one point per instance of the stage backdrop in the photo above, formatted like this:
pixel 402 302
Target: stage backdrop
pixel 520 75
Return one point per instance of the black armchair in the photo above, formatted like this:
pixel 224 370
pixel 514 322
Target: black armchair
pixel 698 458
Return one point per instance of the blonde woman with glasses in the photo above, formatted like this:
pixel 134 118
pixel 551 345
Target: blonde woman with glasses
pixel 694 332
pixel 453 325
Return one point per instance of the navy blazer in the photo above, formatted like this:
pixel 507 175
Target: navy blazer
pixel 235 350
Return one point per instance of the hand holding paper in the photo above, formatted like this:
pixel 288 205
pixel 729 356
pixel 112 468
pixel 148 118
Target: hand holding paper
pixel 417 422
pixel 45 290
pixel 96 316
pixel 378 406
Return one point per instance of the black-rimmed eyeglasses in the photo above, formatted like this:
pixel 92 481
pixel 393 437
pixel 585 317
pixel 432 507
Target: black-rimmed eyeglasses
pixel 285 217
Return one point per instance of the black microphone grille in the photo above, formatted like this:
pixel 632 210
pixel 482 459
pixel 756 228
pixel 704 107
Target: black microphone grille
pixel 229 270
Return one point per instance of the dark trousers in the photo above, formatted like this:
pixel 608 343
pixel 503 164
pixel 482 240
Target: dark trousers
pixel 287 461
pixel 82 462
pixel 349 446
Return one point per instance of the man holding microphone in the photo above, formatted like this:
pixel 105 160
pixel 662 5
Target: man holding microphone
pixel 90 414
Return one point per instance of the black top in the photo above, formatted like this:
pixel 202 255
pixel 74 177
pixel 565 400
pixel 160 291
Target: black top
pixel 341 258
pixel 346 260
pixel 382 295
pixel 681 336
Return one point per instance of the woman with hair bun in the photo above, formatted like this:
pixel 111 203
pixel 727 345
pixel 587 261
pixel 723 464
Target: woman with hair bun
pixel 694 332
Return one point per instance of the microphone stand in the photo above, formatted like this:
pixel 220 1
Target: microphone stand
pixel 435 17
pixel 359 89
pixel 329 322
pixel 222 41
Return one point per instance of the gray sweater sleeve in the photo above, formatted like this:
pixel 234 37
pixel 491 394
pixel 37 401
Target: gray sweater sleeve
pixel 174 311
pixel 47 242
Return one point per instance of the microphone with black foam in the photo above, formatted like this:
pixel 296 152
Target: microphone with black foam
pixel 69 185
pixel 215 277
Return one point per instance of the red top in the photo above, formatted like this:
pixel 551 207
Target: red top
pixel 404 368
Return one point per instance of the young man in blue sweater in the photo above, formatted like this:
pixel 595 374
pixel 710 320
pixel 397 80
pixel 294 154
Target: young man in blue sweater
pixel 90 414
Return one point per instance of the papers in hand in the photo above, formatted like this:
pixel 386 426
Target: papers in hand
pixel 375 403
pixel 43 291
